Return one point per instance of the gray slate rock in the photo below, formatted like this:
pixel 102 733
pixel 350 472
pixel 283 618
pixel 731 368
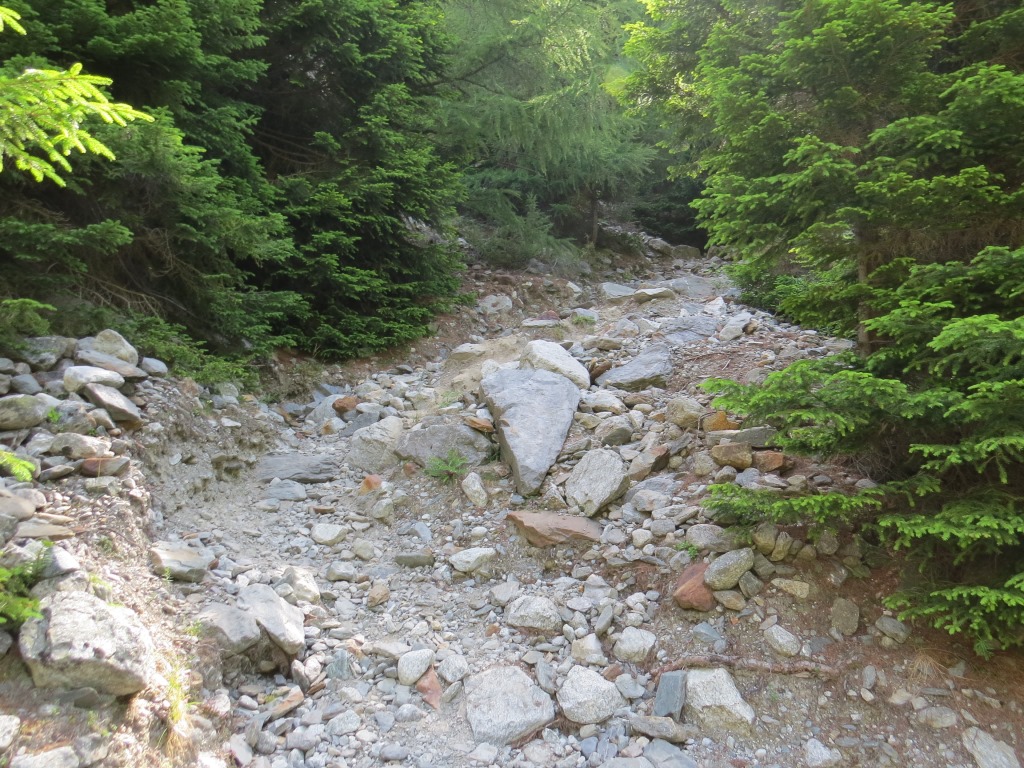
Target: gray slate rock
pixel 281 621
pixel 94 359
pixel 179 561
pixel 725 571
pixel 687 330
pixel 893 628
pixel 586 697
pixel 120 408
pixel 782 641
pixel 43 352
pixel 671 694
pixel 987 751
pixel 533 411
pixel 438 440
pixel 614 293
pixel 503 706
pixel 21 412
pixel 80 641
pixel 818 755
pixel 597 480
pixel 74 446
pixel 302 469
pixel 650 369
pixel 714 538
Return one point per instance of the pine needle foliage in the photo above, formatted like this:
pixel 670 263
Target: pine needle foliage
pixel 863 159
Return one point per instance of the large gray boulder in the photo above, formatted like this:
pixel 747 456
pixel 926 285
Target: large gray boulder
pixel 599 478
pixel 280 620
pixel 533 411
pixel 21 412
pixel 79 641
pixel 231 629
pixel 77 376
pixel 121 409
pixel 43 352
pixel 373 447
pixel 503 706
pixel 110 342
pixel 687 330
pixel 438 440
pixel 650 369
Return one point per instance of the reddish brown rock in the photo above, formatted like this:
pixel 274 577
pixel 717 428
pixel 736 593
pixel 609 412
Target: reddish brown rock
pixel 738 455
pixel 543 529
pixel 345 404
pixel 691 593
pixel 103 467
pixel 719 420
pixel 769 461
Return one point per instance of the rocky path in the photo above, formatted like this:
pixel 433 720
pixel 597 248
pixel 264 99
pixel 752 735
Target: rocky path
pixel 496 554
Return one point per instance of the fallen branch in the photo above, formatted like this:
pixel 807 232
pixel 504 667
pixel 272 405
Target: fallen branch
pixel 801 666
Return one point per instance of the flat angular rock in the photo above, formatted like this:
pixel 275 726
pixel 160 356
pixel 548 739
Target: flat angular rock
pixel 687 330
pixel 671 694
pixel 548 356
pixel 725 571
pixel 614 293
pixel 534 612
pixel 180 562
pixel 121 409
pixel 232 629
pixel 691 593
pixel 987 751
pixel 650 369
pixel 281 621
pixel 664 728
pixel 373 447
pixel 21 412
pixel 474 489
pixel 714 702
pixel 80 641
pixel 472 559
pixel 302 583
pixel 533 411
pixel 597 480
pixel 75 446
pixel 110 342
pixel 94 359
pixel 438 440
pixel 302 469
pixel 586 697
pixel 77 376
pixel 39 529
pixel 108 466
pixel 504 706
pixel 544 529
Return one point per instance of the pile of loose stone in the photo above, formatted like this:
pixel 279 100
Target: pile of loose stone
pixel 570 604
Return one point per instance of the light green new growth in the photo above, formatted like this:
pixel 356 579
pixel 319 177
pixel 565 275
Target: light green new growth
pixel 42 112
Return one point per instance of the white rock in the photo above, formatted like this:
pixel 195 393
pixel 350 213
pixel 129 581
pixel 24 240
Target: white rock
pixel 987 751
pixel 472 559
pixel 9 726
pixel 503 705
pixel 413 664
pixel 328 534
pixel 77 376
pixel 818 755
pixel 373 447
pixel 453 668
pixel 782 641
pixel 714 701
pixel 586 697
pixel 474 489
pixel 534 612
pixel 549 356
pixel 634 645
pixel 303 584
